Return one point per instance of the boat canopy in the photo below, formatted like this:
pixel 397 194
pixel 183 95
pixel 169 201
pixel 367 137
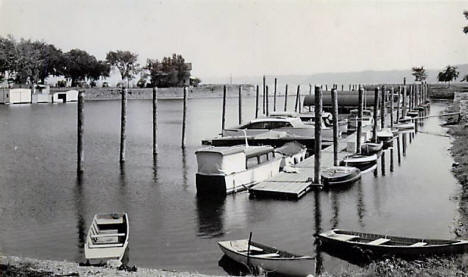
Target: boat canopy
pixel 226 160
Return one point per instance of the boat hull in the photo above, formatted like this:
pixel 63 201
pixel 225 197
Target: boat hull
pixel 349 178
pixel 235 182
pixel 290 267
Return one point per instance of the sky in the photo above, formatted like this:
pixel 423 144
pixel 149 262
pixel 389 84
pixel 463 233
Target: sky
pixel 223 38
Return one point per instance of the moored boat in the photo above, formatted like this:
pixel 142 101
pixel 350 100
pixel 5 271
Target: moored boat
pixel 369 148
pixel 391 245
pixel 367 119
pixel 107 238
pixel 225 170
pixel 267 258
pixel 340 175
pixel 292 153
pixel 362 162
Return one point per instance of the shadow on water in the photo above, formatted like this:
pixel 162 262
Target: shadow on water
pixel 210 211
pixel 80 225
pixel 232 267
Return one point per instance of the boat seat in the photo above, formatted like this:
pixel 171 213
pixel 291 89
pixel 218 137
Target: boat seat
pixel 242 246
pixel 343 237
pixel 108 245
pixel 108 231
pixel 418 244
pixel 378 241
pixel 108 235
pixel 267 255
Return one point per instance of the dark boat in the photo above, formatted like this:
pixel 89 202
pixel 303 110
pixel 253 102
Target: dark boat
pixel 340 175
pixel 375 244
pixel 268 258
pixel 362 162
pixel 369 148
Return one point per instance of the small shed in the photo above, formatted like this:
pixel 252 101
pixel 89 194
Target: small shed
pixel 41 94
pixel 18 96
pixel 65 96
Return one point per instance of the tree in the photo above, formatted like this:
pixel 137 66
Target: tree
pixel 449 74
pixel 99 69
pixel 7 56
pixel 419 74
pixel 170 72
pixel 126 63
pixel 465 29
pixel 28 61
pixel 52 61
pixel 78 65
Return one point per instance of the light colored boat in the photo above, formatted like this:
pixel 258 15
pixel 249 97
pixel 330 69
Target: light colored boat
pixel 227 170
pixel 391 245
pixel 340 175
pixel 292 153
pixel 362 162
pixel 368 148
pixel 107 238
pixel 290 125
pixel 367 119
pixel 268 258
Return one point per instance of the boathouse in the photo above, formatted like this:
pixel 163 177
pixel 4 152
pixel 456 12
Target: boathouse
pixel 15 96
pixel 65 96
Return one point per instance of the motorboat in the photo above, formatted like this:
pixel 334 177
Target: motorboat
pixel 340 175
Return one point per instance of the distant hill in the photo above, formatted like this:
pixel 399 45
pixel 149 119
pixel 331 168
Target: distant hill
pixel 361 77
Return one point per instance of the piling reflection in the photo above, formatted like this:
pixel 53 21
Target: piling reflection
pixel 80 222
pixel 335 208
pixel 155 169
pixel 185 184
pixel 318 230
pixel 210 211
pixel 360 205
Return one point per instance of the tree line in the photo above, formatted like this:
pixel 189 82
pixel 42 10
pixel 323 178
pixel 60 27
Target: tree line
pixel 30 62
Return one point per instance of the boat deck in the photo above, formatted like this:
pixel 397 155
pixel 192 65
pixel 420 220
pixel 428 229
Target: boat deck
pixel 295 185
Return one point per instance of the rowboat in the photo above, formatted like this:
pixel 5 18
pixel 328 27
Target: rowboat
pixel 107 238
pixel 267 258
pixel 362 162
pixel 376 244
pixel 340 175
pixel 386 136
pixel 405 126
pixel 368 148
pixel 413 113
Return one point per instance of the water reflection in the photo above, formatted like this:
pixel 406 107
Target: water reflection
pixel 80 225
pixel 361 210
pixel 155 169
pixel 185 184
pixel 210 211
pixel 335 207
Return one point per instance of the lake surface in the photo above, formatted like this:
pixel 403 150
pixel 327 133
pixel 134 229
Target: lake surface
pixel 45 212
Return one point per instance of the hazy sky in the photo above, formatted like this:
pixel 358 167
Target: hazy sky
pixel 223 37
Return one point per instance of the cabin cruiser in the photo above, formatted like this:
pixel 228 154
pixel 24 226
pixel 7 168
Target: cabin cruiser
pixel 225 170
pixel 291 125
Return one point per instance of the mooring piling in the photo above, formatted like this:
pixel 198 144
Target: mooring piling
pixel 264 91
pixel 391 159
pixel 382 108
pixel 403 111
pixel 286 98
pixel 266 101
pixel 334 97
pixel 223 118
pixel 404 144
pixel 399 149
pixel 391 108
pixel 80 130
pixel 256 102
pixel 376 109
pixel 123 125
pixel 318 133
pixel 398 104
pixel 155 121
pixel 184 113
pixel 274 97
pixel 240 104
pixel 360 115
pixel 296 107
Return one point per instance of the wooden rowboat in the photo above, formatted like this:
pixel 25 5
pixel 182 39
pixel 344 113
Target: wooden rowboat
pixel 340 175
pixel 368 148
pixel 362 162
pixel 267 258
pixel 391 245
pixel 107 238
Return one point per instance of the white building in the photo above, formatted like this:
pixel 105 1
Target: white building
pixel 65 96
pixel 15 96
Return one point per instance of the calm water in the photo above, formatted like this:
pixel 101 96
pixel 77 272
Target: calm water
pixel 45 213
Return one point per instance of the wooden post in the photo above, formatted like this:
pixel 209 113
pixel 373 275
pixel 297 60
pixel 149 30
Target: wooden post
pixel 286 98
pixel 399 149
pixel 391 159
pixel 274 98
pixel 155 121
pixel 80 130
pixel 376 109
pixel 266 101
pixel 403 112
pixel 297 98
pixel 334 97
pixel 342 87
pixel 264 91
pixel 318 133
pixel 382 109
pixel 359 125
pixel 256 102
pixel 310 93
pixel 391 108
pixel 398 104
pixel 123 125
pixel 326 87
pixel 382 160
pixel 223 119
pixel 184 114
pixel 404 144
pixel 240 104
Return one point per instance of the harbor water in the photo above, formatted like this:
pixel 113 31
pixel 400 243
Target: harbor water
pixel 45 211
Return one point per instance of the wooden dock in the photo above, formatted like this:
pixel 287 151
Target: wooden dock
pixel 295 185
